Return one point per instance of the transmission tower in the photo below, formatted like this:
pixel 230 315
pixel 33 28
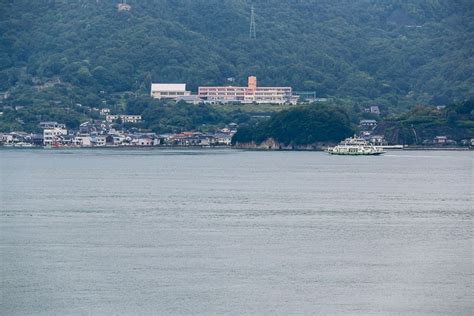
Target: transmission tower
pixel 253 30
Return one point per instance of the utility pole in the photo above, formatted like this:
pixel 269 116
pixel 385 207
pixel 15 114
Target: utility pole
pixel 253 30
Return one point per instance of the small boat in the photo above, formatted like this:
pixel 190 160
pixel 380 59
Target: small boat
pixel 355 146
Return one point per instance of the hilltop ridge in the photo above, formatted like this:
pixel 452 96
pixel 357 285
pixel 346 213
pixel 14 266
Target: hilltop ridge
pixel 57 54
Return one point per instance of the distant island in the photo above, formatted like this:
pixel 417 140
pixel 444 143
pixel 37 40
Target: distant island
pixel 393 72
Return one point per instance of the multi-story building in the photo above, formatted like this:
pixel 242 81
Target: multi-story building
pixel 169 90
pixel 52 135
pixel 250 94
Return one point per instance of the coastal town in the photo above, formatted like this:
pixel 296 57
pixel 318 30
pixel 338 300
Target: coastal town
pixel 101 133
pixel 122 130
pixel 109 132
pixel 104 132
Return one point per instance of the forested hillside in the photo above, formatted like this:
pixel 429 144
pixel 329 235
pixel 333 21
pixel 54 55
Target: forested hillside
pixel 319 123
pixel 299 126
pixel 397 53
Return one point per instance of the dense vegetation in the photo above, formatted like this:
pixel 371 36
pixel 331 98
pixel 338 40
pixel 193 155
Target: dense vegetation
pixel 423 123
pixel 316 123
pixel 299 126
pixel 164 117
pixel 86 52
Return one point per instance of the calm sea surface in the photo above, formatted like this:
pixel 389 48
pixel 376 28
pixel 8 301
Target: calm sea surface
pixel 224 231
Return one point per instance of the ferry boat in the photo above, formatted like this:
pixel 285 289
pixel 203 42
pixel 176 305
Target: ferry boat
pixel 355 146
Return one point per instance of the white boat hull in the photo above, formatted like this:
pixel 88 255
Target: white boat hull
pixel 357 153
pixel 355 147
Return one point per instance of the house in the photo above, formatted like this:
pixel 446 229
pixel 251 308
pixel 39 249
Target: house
pixel 111 118
pixel 374 109
pixel 114 140
pixel 51 125
pixel 83 140
pixel 104 111
pixel 66 140
pixel 145 140
pixel 123 7
pixel 20 139
pixel 168 90
pixel 93 126
pixel 37 139
pixel 4 94
pixel 206 140
pixel 368 123
pixel 87 127
pixel 98 140
pixel 186 139
pixel 124 118
pixel 109 140
pixel 142 139
pixel 15 138
pixel 223 139
pixel 378 140
pixel 443 140
pixel 131 118
pixel 7 138
pixel 440 140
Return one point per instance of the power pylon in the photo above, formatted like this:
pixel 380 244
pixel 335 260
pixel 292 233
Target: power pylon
pixel 253 29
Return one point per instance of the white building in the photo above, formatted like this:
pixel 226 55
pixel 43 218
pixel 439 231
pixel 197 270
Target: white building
pixel 168 90
pixel 124 118
pixel 82 140
pixel 123 7
pixel 104 111
pixel 99 140
pixel 145 141
pixel 53 134
pixel 223 139
pixel 368 123
pixel 52 125
pixel 440 140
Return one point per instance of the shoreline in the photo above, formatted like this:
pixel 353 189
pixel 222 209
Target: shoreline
pixel 407 148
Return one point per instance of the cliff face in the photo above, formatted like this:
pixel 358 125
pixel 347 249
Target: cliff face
pixel 418 133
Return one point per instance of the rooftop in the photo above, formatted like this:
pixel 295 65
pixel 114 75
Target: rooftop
pixel 168 87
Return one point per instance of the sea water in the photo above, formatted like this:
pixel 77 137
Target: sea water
pixel 226 231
